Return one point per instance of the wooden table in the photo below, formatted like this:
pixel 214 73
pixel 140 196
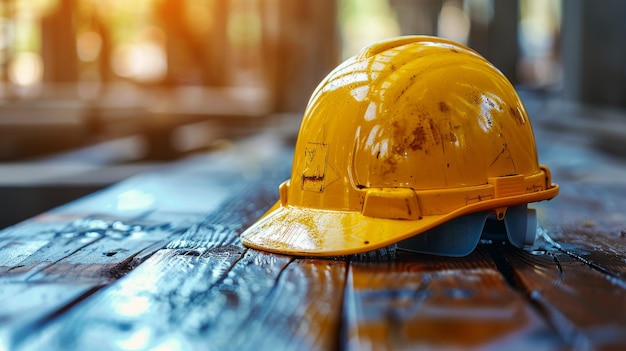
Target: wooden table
pixel 155 262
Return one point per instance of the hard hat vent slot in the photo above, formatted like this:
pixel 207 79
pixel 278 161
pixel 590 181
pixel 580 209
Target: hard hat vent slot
pixel 508 186
pixel 396 203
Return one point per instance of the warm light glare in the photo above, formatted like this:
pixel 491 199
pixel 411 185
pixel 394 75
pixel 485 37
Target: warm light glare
pixel 538 39
pixel 134 200
pixel 454 23
pixel 244 28
pixel 145 61
pixel 132 307
pixel 26 68
pixel 366 22
pixel 88 46
pixel 537 27
pixel 199 16
pixel 138 340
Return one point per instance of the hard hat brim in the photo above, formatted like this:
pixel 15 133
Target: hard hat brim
pixel 311 232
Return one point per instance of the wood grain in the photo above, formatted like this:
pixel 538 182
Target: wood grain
pixel 221 299
pixel 430 302
pixel 238 212
pixel 46 272
pixel 302 312
pixel 147 302
pixel 586 306
pixel 86 250
pixel 206 288
pixel 586 220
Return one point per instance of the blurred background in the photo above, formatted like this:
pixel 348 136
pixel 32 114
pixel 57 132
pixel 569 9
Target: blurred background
pixel 94 91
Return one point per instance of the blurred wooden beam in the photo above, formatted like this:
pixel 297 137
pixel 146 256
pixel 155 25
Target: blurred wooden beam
pixel 594 54
pixel 58 44
pixel 417 17
pixel 496 37
pixel 301 46
pixel 503 49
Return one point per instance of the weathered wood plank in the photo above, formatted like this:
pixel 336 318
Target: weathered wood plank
pixel 202 289
pixel 183 279
pixel 43 223
pixel 85 251
pixel 586 220
pixel 237 213
pixel 430 302
pixel 19 242
pixel 102 262
pixel 221 299
pixel 63 259
pixel 28 255
pixel 26 307
pixel 586 306
pixel 219 316
pixel 302 312
pixel 47 272
pixel 138 310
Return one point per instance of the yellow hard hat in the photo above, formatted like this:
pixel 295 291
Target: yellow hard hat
pixel 409 134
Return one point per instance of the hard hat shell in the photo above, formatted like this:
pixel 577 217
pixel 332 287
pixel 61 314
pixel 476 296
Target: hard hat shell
pixel 408 134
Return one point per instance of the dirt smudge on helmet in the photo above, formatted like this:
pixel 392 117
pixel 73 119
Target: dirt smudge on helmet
pixel 443 107
pixel 419 138
pixel 435 132
pixel 516 115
